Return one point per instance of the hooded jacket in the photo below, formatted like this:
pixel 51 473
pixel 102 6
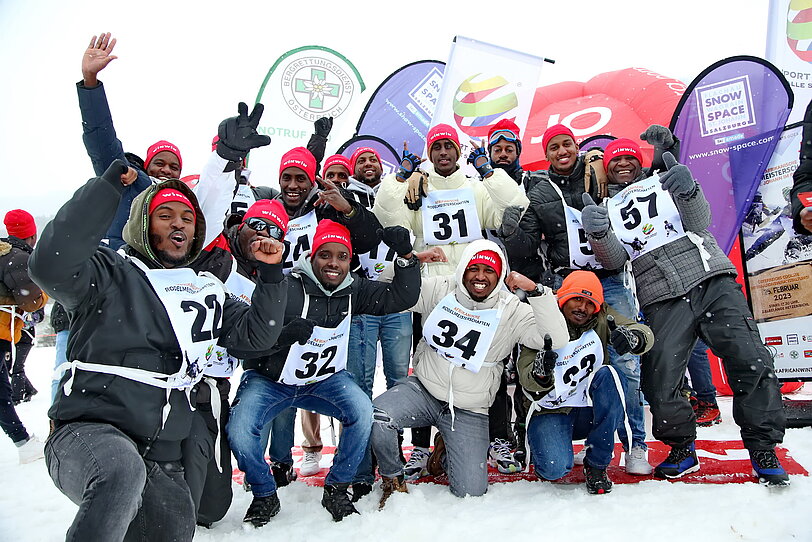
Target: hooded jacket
pixel 18 293
pixel 524 323
pixel 117 319
pixel 492 195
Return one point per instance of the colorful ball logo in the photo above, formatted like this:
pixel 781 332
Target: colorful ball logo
pixel 481 101
pixel 799 28
pixel 648 228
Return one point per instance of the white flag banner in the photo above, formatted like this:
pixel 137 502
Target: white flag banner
pixel 483 84
pixel 789 48
pixel 302 86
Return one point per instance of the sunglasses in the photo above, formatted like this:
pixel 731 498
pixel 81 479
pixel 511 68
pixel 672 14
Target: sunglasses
pixel 257 224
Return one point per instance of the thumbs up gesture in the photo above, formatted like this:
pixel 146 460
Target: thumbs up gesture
pixel 544 364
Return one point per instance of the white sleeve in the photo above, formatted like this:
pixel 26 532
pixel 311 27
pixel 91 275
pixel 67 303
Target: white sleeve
pixel 215 191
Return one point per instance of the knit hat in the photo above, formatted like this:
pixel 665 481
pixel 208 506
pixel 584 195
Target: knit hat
pixel 443 131
pixel 505 129
pixel 357 154
pixel 166 195
pixel 622 147
pixel 301 158
pixel 581 284
pixel 268 209
pixel 552 131
pixel 337 160
pixel 328 231
pixel 161 146
pixel 20 224
pixel 489 258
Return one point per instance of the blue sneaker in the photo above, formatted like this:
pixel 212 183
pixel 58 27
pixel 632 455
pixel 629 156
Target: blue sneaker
pixel 768 469
pixel 681 461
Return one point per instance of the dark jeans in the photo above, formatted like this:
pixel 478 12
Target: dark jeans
pixel 9 420
pixel 121 496
pixel 716 312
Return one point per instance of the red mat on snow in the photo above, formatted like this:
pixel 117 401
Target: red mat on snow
pixel 722 462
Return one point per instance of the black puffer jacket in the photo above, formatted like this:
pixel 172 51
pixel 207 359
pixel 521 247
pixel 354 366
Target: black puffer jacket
pixel 117 319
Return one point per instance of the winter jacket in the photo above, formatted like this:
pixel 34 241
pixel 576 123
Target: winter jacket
pixel 802 183
pixel 538 389
pixel 492 195
pixel 329 308
pixel 103 146
pixel 672 269
pixel 59 318
pixel 524 323
pixel 18 293
pixel 118 320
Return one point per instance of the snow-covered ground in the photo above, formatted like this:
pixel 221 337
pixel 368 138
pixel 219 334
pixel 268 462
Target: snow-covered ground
pixel 32 509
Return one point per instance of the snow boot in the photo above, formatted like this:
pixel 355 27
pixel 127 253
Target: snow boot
pixel 262 509
pixel 707 414
pixel 389 486
pixel 597 482
pixel 681 460
pixel 336 499
pixel 283 473
pixel 416 465
pixel 768 469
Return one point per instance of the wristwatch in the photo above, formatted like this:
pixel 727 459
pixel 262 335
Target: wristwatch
pixel 405 262
pixel 537 291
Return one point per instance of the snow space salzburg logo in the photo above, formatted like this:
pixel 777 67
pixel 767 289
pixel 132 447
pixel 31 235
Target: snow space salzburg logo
pixel 317 84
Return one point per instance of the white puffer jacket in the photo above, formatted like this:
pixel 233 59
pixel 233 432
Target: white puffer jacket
pixel 521 323
pixel 492 195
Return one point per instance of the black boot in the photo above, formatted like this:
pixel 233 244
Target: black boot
pixel 262 509
pixel 283 474
pixel 597 483
pixel 337 501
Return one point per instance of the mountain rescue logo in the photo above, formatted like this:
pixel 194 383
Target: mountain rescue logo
pixel 481 101
pixel 315 86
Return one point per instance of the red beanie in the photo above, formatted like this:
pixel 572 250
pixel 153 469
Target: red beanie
pixel 269 209
pixel 166 195
pixel 552 131
pixel 443 131
pixel 622 147
pixel 328 231
pixel 301 158
pixel 504 129
pixel 581 284
pixel 20 224
pixel 357 154
pixel 161 146
pixel 336 160
pixel 489 258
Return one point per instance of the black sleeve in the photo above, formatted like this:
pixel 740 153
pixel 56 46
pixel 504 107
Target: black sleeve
pixel 802 183
pixel 379 298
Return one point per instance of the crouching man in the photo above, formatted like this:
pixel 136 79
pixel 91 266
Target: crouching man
pixel 306 368
pixel 574 392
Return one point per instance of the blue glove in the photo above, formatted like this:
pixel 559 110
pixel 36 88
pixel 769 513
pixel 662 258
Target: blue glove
pixel 408 165
pixel 481 161
pixel 594 218
pixel 678 179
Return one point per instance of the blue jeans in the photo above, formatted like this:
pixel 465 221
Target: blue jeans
pixel 260 400
pixel 700 371
pixel 620 298
pixel 394 331
pixel 409 404
pixel 551 434
pixel 61 357
pixel 120 495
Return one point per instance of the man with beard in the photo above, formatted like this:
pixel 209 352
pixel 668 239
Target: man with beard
pixel 470 324
pixel 573 392
pixel 143 326
pixel 687 289
pixel 306 367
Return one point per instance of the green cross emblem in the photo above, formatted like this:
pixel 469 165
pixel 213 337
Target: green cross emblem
pixel 317 87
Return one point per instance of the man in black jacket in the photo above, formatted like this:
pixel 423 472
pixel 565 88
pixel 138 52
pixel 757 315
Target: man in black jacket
pixel 143 326
pixel 306 368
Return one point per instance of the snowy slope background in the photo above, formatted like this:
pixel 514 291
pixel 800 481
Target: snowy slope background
pixel 32 509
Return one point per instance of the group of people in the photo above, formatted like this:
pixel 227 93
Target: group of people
pixel 170 283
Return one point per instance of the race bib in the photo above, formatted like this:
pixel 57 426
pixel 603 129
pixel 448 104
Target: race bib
pixel 576 363
pixel 461 336
pixel 581 255
pixel 374 263
pixel 450 216
pixel 644 217
pixel 322 356
pixel 243 199
pixel 299 238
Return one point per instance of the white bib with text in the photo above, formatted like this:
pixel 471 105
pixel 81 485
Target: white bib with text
pixel 243 199
pixel 299 238
pixel 450 216
pixel 576 364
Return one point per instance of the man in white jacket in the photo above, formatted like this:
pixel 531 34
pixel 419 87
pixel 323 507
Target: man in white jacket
pixel 470 324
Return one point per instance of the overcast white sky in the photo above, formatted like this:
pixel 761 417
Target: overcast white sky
pixel 183 66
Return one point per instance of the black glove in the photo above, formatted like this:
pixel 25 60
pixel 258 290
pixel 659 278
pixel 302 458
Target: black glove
pixel 297 330
pixel 396 237
pixel 510 221
pixel 658 136
pixel 678 179
pixel 594 218
pixel 481 162
pixel 323 126
pixel 544 364
pixel 238 135
pixel 408 165
pixel 623 339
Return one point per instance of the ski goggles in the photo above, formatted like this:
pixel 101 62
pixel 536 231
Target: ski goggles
pixel 258 225
pixel 507 135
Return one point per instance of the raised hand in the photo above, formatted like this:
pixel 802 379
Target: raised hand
pixel 323 126
pixel 480 160
pixel 658 136
pixel 418 188
pixel 594 218
pixel 97 56
pixel 268 250
pixel 408 164
pixel 397 238
pixel 510 221
pixel 332 196
pixel 544 364
pixel 297 330
pixel 238 135
pixel 678 179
